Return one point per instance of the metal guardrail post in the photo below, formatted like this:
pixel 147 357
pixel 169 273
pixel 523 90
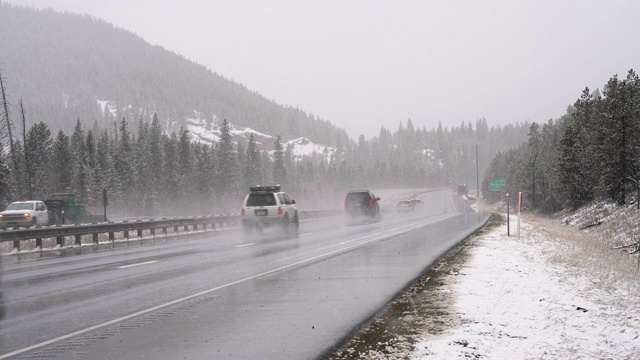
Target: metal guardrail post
pixel 126 234
pixel 186 228
pixel 78 239
pixel 112 236
pixel 60 241
pixel 164 231
pixel 39 243
pixel 95 238
pixel 140 233
pixel 175 229
pixel 153 232
pixel 16 245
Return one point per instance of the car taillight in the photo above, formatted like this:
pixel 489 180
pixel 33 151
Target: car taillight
pixel 279 211
pixel 346 203
pixel 370 202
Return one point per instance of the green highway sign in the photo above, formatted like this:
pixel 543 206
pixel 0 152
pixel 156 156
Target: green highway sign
pixel 496 185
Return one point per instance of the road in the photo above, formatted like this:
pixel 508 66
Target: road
pixel 224 296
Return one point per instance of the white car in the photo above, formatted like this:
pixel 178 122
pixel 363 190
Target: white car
pixel 405 206
pixel 267 206
pixel 417 203
pixel 25 214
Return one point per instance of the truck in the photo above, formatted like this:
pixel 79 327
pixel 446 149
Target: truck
pixel 65 210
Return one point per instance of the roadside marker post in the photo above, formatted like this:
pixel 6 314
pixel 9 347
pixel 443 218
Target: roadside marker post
pixel 507 194
pixel 519 212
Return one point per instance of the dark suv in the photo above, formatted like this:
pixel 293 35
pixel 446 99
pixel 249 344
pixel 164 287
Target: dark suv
pixel 362 203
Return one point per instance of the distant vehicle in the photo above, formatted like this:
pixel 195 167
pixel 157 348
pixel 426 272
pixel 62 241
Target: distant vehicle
pixel 405 206
pixel 24 214
pixel 73 213
pixel 267 206
pixel 362 203
pixel 463 189
pixel 417 203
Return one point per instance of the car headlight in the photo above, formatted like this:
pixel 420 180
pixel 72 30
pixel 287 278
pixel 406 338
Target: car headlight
pixel 27 216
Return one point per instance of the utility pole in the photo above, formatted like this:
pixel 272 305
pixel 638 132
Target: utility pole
pixel 507 214
pixel 477 176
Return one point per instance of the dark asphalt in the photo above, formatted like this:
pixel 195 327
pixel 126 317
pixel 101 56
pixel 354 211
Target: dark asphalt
pixel 224 296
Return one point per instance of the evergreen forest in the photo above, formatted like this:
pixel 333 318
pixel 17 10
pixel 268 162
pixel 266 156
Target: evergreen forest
pixel 592 153
pixel 150 171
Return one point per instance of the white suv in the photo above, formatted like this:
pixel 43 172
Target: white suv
pixel 24 213
pixel 267 206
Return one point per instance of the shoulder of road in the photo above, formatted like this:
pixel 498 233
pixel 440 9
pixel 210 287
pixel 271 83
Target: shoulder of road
pixel 555 291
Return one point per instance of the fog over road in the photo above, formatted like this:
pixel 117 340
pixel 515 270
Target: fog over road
pixel 225 296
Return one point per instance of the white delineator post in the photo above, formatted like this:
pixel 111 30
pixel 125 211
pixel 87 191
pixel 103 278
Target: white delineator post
pixel 519 211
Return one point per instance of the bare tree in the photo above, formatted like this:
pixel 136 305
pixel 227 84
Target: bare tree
pixel 27 172
pixel 7 122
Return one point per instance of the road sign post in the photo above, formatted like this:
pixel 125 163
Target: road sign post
pixel 519 212
pixel 507 214
pixel 105 202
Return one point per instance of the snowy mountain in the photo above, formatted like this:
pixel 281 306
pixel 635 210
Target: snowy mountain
pixel 66 67
pixel 208 131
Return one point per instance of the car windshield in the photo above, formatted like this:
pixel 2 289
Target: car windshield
pixel 261 200
pixel 20 206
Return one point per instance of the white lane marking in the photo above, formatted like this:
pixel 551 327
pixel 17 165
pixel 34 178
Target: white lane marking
pixel 138 264
pixel 405 229
pixel 243 245
pixel 305 234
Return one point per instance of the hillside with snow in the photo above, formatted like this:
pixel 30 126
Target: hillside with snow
pixel 66 67
pixel 208 132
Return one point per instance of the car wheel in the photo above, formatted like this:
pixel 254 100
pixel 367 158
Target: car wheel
pixel 286 225
pixel 34 222
pixel 295 227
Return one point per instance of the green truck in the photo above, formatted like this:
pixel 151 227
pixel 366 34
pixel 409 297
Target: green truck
pixel 64 209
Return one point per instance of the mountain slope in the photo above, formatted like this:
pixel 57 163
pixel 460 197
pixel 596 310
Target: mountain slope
pixel 66 66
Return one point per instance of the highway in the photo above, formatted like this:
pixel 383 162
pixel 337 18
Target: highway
pixel 225 295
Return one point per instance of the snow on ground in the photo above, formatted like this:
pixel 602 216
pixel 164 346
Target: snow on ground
pixel 536 297
pixel 557 292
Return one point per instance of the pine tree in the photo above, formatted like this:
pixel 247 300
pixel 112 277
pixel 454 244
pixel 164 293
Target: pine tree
pixel 155 164
pixel 61 163
pixel 615 149
pixel 534 150
pixel 79 179
pixel 123 166
pixel 185 174
pixel 226 163
pixel 5 195
pixel 39 143
pixel 279 171
pixel 169 171
pixel 252 165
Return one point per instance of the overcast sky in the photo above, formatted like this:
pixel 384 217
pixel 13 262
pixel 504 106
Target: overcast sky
pixel 366 64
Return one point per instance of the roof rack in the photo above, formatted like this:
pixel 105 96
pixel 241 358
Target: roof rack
pixel 271 188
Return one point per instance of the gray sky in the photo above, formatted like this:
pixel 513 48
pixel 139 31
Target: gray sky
pixel 366 64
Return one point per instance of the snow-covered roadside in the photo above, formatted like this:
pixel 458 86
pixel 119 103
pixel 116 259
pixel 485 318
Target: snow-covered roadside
pixel 541 296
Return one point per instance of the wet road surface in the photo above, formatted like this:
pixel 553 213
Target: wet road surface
pixel 226 295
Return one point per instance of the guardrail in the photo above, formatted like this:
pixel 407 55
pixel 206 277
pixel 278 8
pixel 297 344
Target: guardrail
pixel 60 232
